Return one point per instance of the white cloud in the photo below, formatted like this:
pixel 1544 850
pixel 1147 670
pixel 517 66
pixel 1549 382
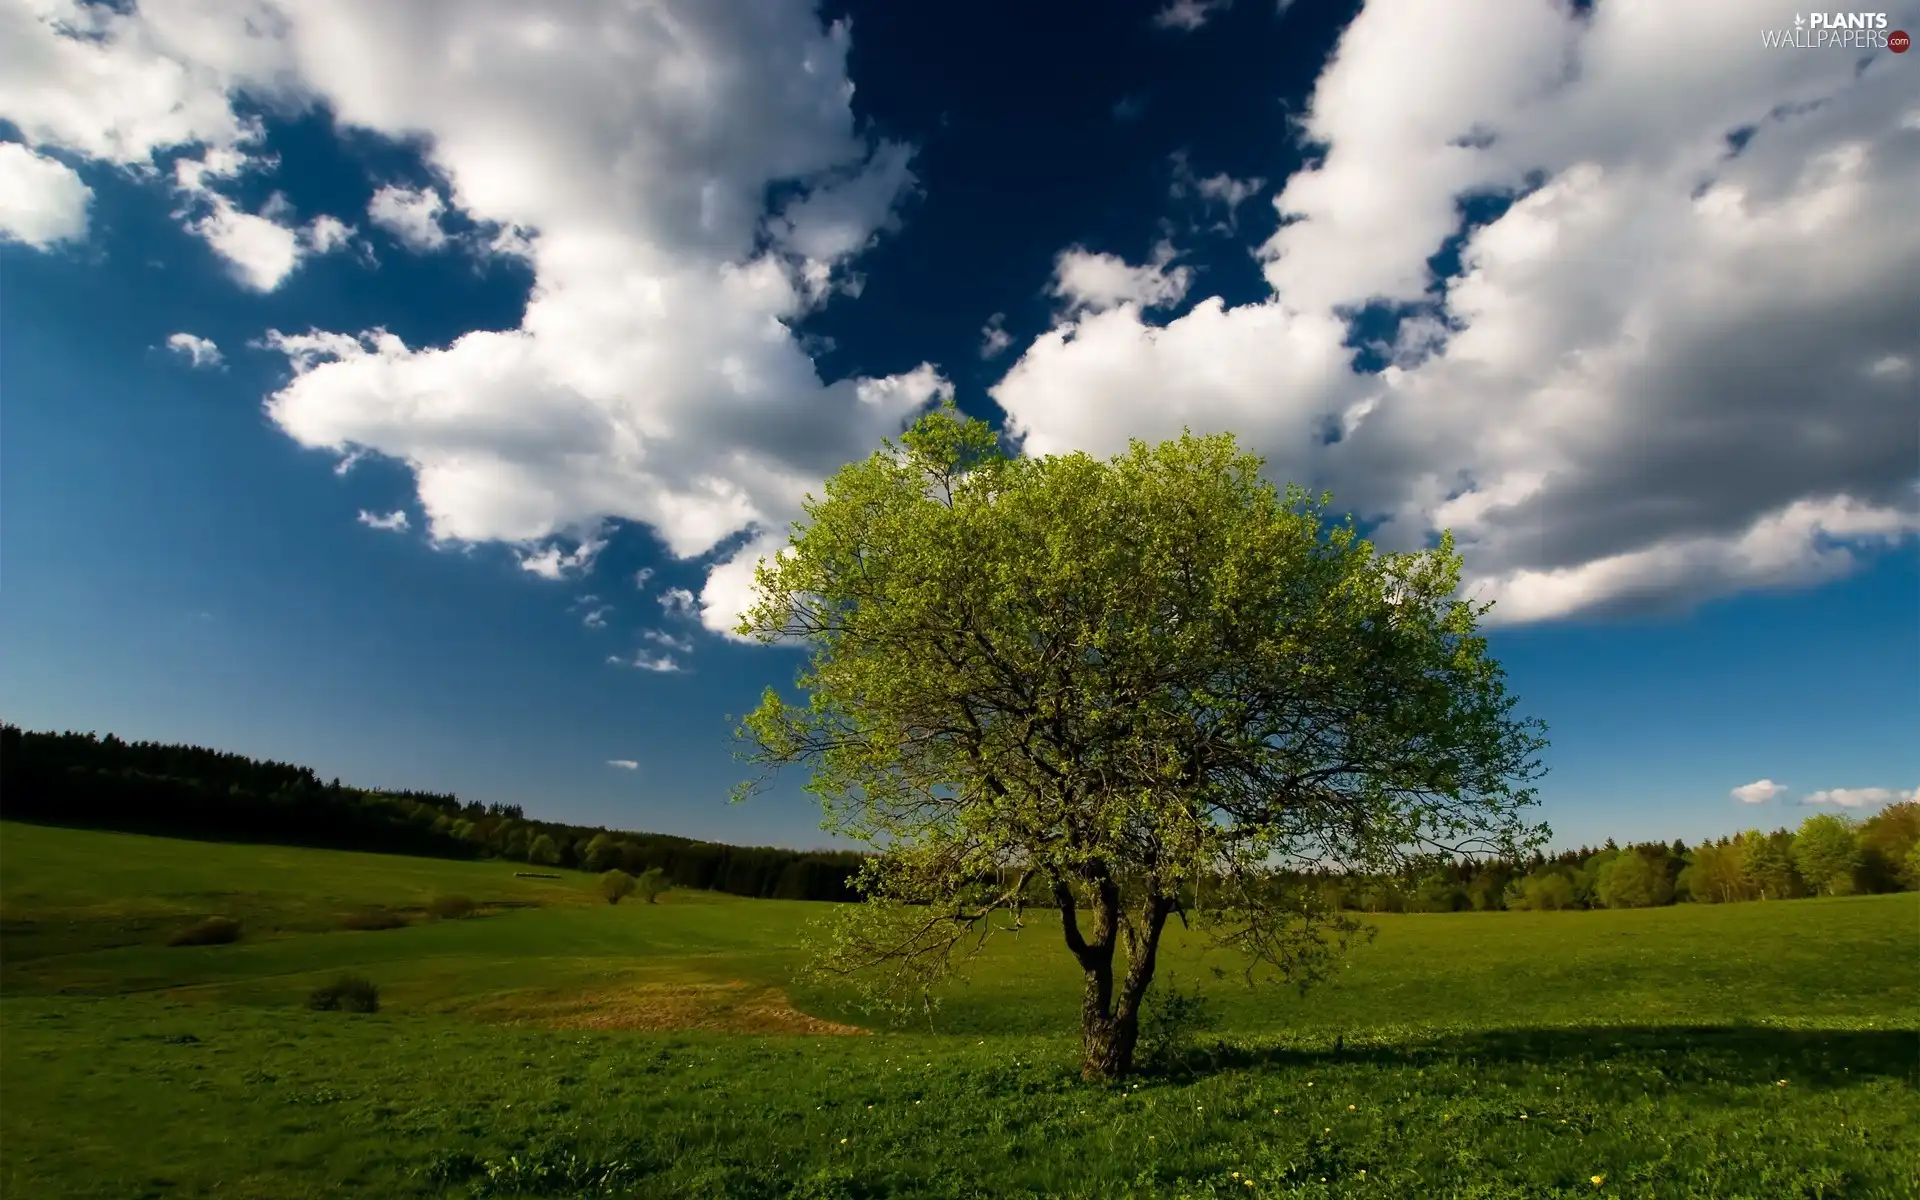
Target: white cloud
pixel 994 339
pixel 198 351
pixel 395 521
pixel 1862 797
pixel 42 202
pixel 679 602
pixel 550 562
pixel 261 249
pixel 410 215
pixel 659 664
pixel 1189 15
pixel 625 764
pixel 628 155
pixel 670 641
pixel 596 618
pixel 325 234
pixel 1656 378
pixel 641 576
pixel 1093 283
pixel 1758 792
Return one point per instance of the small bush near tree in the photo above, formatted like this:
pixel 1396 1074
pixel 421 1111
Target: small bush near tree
pixel 349 993
pixel 1172 1018
pixel 451 907
pixel 651 883
pixel 373 918
pixel 616 885
pixel 208 931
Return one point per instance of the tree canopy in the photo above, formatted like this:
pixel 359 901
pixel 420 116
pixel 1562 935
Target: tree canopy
pixel 1144 686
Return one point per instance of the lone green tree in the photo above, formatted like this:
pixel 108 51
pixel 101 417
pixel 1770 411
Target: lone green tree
pixel 651 883
pixel 616 885
pixel 1143 687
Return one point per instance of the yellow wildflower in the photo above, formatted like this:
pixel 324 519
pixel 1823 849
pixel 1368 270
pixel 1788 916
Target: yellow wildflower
pixel 1598 1180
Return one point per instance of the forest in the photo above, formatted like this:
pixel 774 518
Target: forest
pixel 85 780
pixel 89 781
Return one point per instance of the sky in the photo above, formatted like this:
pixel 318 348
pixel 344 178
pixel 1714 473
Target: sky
pixel 407 389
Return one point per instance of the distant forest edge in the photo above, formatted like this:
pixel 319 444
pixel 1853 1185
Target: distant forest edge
pixel 83 780
pixel 80 779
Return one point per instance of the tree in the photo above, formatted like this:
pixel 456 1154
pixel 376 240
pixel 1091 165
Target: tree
pixel 1827 854
pixel 1886 839
pixel 651 883
pixel 543 851
pixel 599 854
pixel 1153 685
pixel 1715 874
pixel 1632 880
pixel 616 885
pixel 1766 862
pixel 1549 892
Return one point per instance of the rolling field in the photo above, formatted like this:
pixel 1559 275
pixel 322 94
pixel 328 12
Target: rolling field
pixel 557 1046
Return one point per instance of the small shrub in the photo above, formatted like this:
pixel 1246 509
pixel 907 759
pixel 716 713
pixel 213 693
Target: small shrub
pixel 373 918
pixel 209 931
pixel 616 885
pixel 451 907
pixel 349 993
pixel 1171 1020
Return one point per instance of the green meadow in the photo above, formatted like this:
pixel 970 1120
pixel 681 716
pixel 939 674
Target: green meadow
pixel 553 1045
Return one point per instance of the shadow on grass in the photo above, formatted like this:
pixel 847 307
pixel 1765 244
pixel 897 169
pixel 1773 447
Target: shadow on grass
pixel 1687 1053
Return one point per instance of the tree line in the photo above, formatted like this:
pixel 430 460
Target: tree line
pixel 1828 855
pixel 81 779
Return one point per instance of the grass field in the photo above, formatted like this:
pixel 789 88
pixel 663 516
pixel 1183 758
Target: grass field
pixel 556 1046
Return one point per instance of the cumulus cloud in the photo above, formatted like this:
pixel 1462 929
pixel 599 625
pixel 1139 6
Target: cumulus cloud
pixel 683 179
pixel 42 201
pixel 393 522
pixel 1861 797
pixel 411 215
pixel 1758 792
pixel 1655 376
pixel 198 351
pixel 625 764
pixel 596 618
pixel 261 249
pixel 1189 15
pixel 1093 283
pixel 641 576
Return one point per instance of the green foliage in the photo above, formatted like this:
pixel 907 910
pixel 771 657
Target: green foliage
pixel 1910 868
pixel 451 907
pixel 348 993
pixel 1548 892
pixel 1140 682
pixel 373 919
pixel 652 882
pixel 1633 880
pixel 1172 1019
pixel 208 931
pixel 1766 863
pixel 543 850
pixel 1827 854
pixel 616 885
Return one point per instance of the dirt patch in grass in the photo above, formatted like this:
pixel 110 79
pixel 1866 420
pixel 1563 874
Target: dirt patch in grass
pixel 732 1007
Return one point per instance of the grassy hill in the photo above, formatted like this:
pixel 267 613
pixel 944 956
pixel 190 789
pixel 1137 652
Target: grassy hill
pixel 554 1045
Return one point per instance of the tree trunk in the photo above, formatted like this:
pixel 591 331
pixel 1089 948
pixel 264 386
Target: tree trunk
pixel 1110 1022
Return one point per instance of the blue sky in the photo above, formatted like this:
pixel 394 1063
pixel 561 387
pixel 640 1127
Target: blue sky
pixel 1641 325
